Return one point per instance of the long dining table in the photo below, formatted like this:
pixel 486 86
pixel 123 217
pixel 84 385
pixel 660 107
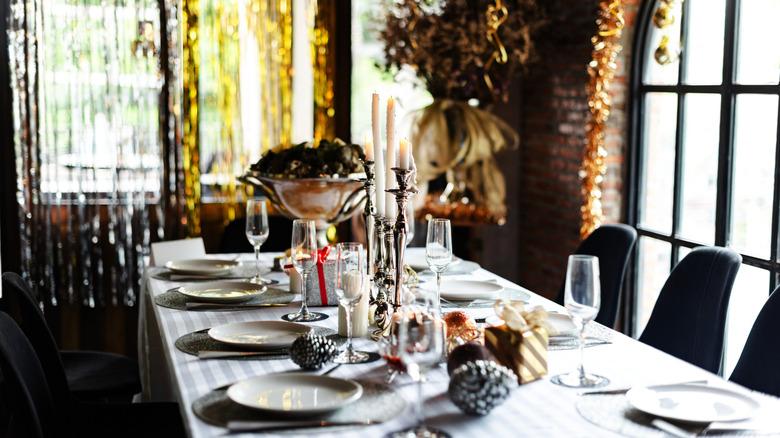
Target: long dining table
pixel 538 409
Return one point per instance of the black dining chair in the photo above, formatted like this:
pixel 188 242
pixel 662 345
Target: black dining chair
pixel 689 317
pixel 30 409
pixel 758 367
pixel 612 244
pixel 89 375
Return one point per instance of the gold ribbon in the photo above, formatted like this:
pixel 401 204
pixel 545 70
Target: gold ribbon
pixel 517 318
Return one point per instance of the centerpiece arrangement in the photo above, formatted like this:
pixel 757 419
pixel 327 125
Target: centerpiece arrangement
pixel 306 182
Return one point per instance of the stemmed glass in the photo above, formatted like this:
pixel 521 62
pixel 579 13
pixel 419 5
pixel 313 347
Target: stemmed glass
pixel 304 258
pixel 257 231
pixel 438 249
pixel 582 299
pixel 351 279
pixel 420 347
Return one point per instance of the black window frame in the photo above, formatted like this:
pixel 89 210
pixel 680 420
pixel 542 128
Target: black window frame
pixel 728 91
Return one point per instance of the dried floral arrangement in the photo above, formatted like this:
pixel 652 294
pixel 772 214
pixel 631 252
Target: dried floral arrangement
pixel 462 49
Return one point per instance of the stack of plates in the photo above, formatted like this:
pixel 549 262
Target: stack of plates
pixel 466 290
pixel 259 335
pixel 205 267
pixel 295 394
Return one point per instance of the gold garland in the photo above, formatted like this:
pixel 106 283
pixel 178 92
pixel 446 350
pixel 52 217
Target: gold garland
pixel 601 69
pixel 190 152
pixel 323 55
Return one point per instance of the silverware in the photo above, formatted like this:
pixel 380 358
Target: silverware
pixel 324 373
pixel 189 277
pixel 237 306
pixel 671 429
pixel 270 426
pixel 617 391
pixel 213 354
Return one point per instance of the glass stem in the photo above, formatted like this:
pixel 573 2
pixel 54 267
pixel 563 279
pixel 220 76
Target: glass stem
pixel 304 307
pixel 582 350
pixel 438 288
pixel 257 262
pixel 349 310
pixel 418 411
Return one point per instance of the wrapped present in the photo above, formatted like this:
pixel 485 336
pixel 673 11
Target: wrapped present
pixel 321 284
pixel 521 342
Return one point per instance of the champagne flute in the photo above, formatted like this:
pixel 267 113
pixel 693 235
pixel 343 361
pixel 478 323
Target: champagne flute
pixel 582 299
pixel 257 231
pixel 420 347
pixel 350 284
pixel 438 249
pixel 304 258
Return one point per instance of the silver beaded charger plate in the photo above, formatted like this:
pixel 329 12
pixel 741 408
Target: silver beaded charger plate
pixel 173 299
pixel 615 413
pixel 379 403
pixel 195 342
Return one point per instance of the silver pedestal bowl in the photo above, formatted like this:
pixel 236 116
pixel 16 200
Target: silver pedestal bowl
pixel 326 201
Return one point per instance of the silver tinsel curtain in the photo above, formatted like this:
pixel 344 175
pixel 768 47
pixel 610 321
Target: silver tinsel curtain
pixel 87 90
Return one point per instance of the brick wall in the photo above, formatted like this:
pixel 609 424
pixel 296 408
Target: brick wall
pixel 553 111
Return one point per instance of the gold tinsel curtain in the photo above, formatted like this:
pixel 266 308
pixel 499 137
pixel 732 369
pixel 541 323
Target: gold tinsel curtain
pixel 238 94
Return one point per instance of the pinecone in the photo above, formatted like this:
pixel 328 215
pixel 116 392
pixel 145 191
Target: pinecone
pixel 311 351
pixel 478 386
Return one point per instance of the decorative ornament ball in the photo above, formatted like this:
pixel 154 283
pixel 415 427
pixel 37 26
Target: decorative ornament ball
pixel 311 351
pixel 478 386
pixel 468 352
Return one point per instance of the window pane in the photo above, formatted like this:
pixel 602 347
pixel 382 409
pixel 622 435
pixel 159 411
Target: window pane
pixel 666 74
pixel 700 167
pixel 658 161
pixel 682 252
pixel 704 46
pixel 754 168
pixel 751 289
pixel 758 54
pixel 654 259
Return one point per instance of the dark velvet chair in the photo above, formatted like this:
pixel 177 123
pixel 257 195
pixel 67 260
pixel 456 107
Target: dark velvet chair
pixel 689 317
pixel 758 367
pixel 30 409
pixel 613 245
pixel 89 375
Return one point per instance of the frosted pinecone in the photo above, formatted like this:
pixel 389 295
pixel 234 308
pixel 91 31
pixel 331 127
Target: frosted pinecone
pixel 478 386
pixel 311 351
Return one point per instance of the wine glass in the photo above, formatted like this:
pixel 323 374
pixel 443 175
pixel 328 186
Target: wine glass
pixel 351 279
pixel 438 249
pixel 582 299
pixel 304 258
pixel 257 231
pixel 420 347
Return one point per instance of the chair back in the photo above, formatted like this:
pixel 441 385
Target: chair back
pixel 758 367
pixel 24 385
pixel 689 317
pixel 19 302
pixel 613 245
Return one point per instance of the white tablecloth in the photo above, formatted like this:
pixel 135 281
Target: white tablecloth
pixel 534 410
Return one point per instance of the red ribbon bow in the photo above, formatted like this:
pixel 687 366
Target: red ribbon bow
pixel 322 256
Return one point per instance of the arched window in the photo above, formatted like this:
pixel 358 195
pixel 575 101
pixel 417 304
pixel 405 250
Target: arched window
pixel 705 155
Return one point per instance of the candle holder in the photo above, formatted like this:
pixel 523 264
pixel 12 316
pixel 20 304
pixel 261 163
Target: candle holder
pixel 369 213
pixel 382 311
pixel 405 189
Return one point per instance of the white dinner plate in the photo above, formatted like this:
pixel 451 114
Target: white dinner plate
pixel 418 262
pixel 467 290
pixel 692 403
pixel 561 325
pixel 202 266
pixel 295 394
pixel 261 335
pixel 222 291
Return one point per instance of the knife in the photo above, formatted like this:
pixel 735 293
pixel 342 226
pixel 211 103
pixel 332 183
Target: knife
pixel 215 306
pixel 270 426
pixel 214 354
pixel 617 391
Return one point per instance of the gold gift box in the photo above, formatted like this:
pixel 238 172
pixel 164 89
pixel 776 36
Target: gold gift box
pixel 524 352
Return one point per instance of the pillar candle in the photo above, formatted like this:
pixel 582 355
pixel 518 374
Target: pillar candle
pixel 379 166
pixel 359 316
pixel 390 207
pixel 403 154
pixel 369 149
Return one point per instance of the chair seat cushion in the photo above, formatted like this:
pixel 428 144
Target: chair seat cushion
pixel 99 375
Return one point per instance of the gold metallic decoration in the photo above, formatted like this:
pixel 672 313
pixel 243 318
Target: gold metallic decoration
pixel 323 46
pixel 663 18
pixel 664 15
pixel 662 54
pixel 190 152
pixel 496 16
pixel 601 69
